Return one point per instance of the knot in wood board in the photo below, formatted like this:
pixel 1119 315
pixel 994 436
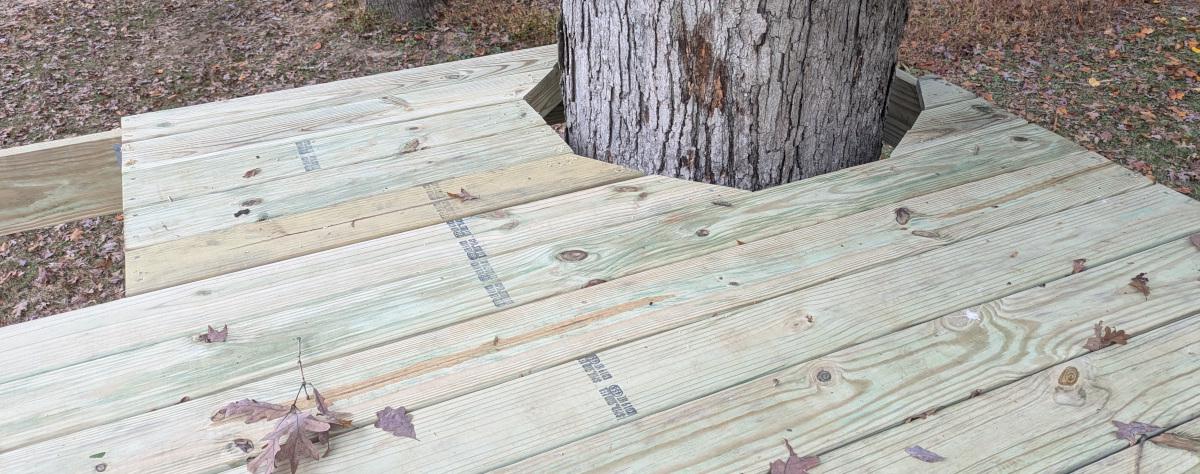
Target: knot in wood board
pixel 572 255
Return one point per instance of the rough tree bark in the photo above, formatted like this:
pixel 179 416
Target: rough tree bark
pixel 403 10
pixel 744 93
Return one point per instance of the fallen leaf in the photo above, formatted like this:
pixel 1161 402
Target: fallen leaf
pixel 794 464
pixel 411 146
pixel 339 418
pixel 903 215
pixel 1133 431
pixel 1141 283
pixel 1195 240
pixel 1078 265
pixel 253 410
pixel 252 173
pixel 921 416
pixel 1105 336
pixel 213 335
pixel 299 427
pixel 462 195
pixel 1093 82
pixel 76 234
pixel 923 454
pixel 317 46
pixel 1172 440
pixel 396 421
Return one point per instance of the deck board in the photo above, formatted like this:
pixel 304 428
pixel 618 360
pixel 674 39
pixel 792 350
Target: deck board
pixel 712 309
pixel 882 382
pixel 1158 455
pixel 1039 424
pixel 754 263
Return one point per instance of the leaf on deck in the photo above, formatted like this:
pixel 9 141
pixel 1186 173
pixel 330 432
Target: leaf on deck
pixel 396 421
pixel 1078 265
pixel 213 335
pixel 923 454
pixel 1195 240
pixel 253 410
pixel 1141 283
pixel 1172 440
pixel 462 195
pixel 337 417
pixel 794 464
pixel 299 428
pixel 1133 431
pixel 1105 336
pixel 252 173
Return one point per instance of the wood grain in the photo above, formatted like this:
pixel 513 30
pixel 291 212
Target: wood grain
pixel 903 107
pixel 492 427
pixel 59 181
pixel 1172 452
pixel 882 382
pixel 221 171
pixel 1040 423
pixel 257 243
pixel 229 135
pixel 746 265
pixel 935 126
pixel 532 62
pixel 937 92
pixel 274 199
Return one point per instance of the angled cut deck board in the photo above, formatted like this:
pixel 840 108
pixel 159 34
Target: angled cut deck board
pixel 377 111
pixel 483 69
pixel 949 122
pixel 104 330
pixel 1175 452
pixel 420 348
pixel 1056 420
pixel 147 184
pixel 59 181
pixel 344 223
pixel 881 382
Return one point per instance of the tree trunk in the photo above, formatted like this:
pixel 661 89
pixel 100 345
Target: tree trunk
pixel 743 93
pixel 402 10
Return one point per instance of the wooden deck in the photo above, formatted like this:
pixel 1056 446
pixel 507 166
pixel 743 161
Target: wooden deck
pixel 577 316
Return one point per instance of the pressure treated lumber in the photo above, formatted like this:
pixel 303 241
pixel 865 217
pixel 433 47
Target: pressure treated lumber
pixel 903 107
pixel 229 135
pixel 934 126
pixel 751 217
pixel 99 331
pixel 838 194
pixel 496 426
pixel 761 258
pixel 59 181
pixel 531 62
pixel 937 92
pixel 347 222
pixel 1175 452
pixel 1042 423
pixel 171 220
pixel 221 171
pixel 880 383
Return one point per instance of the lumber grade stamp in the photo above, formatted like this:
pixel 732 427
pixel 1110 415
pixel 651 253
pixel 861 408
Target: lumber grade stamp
pixel 471 247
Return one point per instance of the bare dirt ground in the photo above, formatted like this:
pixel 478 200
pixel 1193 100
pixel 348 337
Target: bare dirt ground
pixel 1118 76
